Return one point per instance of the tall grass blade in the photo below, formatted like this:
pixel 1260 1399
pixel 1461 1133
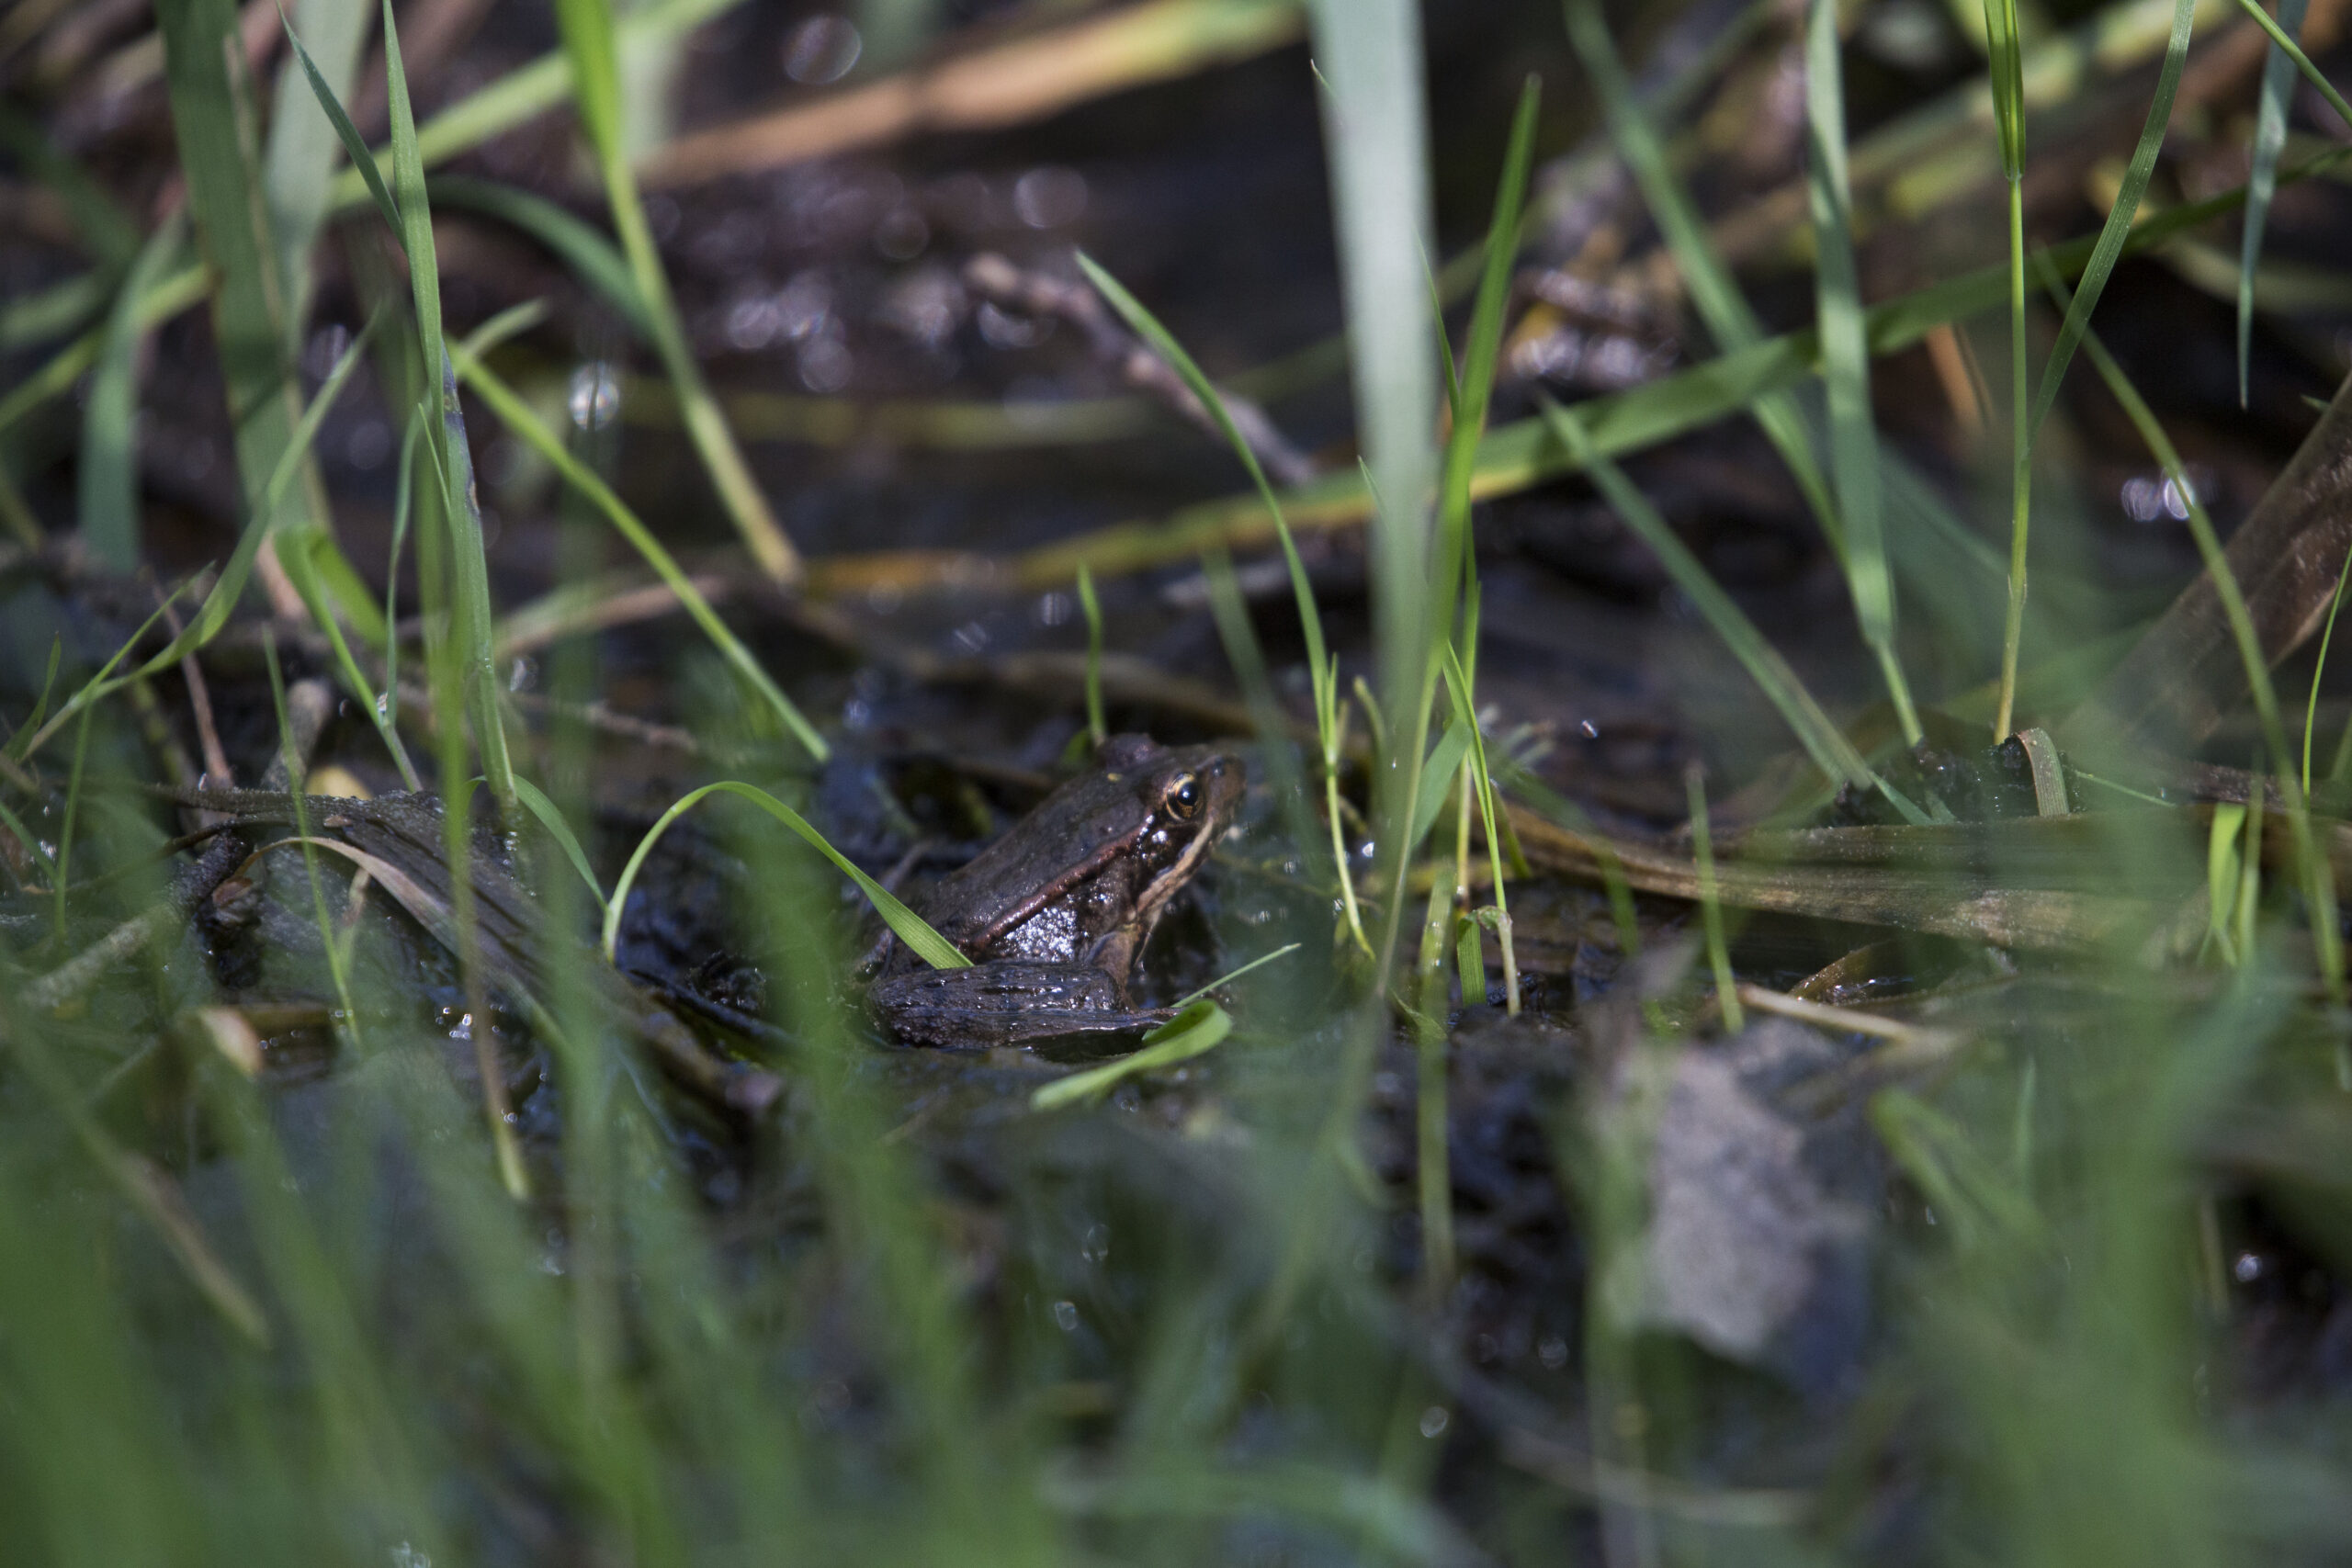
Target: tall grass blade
pixel 2004 50
pixel 446 437
pixel 213 115
pixel 517 416
pixel 1092 607
pixel 1374 125
pixel 2269 140
pixel 1822 740
pixel 2121 215
pixel 589 44
pixel 364 166
pixel 2294 52
pixel 2317 873
pixel 108 461
pixel 1475 386
pixel 591 257
pixel 1146 326
pixel 1845 358
pixel 1731 321
pixel 297 165
pixel 1711 908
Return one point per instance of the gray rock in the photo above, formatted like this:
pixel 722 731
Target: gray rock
pixel 1758 1246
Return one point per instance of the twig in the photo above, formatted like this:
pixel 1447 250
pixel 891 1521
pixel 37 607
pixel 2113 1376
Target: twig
pixel 1037 294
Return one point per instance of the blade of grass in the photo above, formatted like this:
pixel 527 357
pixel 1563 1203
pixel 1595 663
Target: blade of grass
pixel 2294 52
pixel 298 165
pixel 213 115
pixel 1475 387
pixel 2269 140
pixel 2003 50
pixel 1368 54
pixel 529 91
pixel 909 927
pixel 1322 666
pixel 108 232
pixel 1733 325
pixel 1823 741
pixel 1710 910
pixel 1093 609
pixel 513 413
pixel 107 463
pixel 2121 215
pixel 2319 673
pixel 446 438
pixel 590 255
pixel 1466 719
pixel 2318 883
pixel 589 43
pixel 1196 1030
pixel 1845 361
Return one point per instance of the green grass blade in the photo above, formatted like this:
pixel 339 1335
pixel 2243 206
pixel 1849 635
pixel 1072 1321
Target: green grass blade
pixel 109 462
pixel 1475 386
pixel 1823 741
pixel 910 928
pixel 213 115
pixel 1732 323
pixel 590 44
pixel 518 417
pixel 447 437
pixel 1440 765
pixel 2319 671
pixel 1146 326
pixel 1195 1031
pixel 2120 216
pixel 551 816
pixel 1845 357
pixel 2269 140
pixel 529 91
pixel 229 586
pixel 297 165
pixel 2318 885
pixel 2294 52
pixel 355 146
pixel 1092 607
pixel 591 257
pixel 1375 129
pixel 1710 910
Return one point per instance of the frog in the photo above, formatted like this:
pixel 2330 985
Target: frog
pixel 1056 913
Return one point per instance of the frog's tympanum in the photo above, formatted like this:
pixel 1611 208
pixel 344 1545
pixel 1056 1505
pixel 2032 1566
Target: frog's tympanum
pixel 1054 914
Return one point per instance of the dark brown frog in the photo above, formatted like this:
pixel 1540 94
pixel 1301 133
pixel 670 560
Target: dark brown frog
pixel 1054 913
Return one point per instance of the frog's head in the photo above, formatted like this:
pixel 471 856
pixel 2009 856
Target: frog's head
pixel 1188 798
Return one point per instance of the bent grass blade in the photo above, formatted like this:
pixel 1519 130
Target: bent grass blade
pixel 910 928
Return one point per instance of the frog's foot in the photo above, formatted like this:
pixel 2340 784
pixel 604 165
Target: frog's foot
pixel 1009 1002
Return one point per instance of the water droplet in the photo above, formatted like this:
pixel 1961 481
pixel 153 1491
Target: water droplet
pixel 1049 198
pixel 596 395
pixel 822 49
pixel 1066 1314
pixel 1434 1421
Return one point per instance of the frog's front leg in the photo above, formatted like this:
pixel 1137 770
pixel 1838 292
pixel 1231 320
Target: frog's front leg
pixel 1007 1002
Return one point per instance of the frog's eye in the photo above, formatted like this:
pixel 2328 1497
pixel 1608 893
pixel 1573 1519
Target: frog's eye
pixel 1186 798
